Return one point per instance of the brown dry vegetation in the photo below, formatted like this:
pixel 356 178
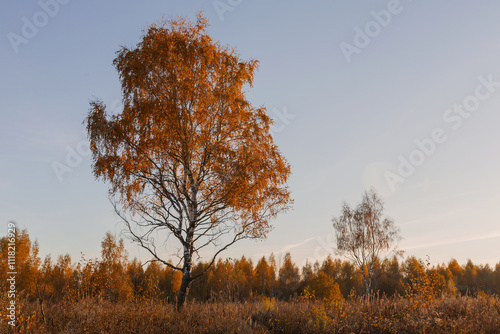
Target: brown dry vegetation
pixel 466 314
pixel 114 295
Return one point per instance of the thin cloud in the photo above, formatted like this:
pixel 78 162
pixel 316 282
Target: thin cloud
pixel 437 217
pixel 456 241
pixel 290 246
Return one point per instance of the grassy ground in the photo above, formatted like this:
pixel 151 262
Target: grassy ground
pixel 377 315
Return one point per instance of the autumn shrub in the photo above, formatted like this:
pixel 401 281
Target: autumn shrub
pixel 268 303
pixel 323 287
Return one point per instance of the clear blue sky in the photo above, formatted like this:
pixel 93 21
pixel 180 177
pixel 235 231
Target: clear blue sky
pixel 351 96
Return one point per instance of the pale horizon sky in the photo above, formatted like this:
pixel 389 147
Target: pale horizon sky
pixel 352 110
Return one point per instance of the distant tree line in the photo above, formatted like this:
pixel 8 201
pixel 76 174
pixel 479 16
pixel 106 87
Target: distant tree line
pixel 114 277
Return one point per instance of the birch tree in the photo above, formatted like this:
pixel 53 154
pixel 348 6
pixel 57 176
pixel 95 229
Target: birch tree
pixel 189 159
pixel 365 235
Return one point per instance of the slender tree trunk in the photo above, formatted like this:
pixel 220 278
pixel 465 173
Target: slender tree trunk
pixel 188 252
pixel 184 289
pixel 366 280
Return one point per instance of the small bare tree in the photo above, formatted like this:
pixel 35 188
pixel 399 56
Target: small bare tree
pixel 363 235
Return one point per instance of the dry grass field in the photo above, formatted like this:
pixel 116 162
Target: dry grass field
pixel 480 314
